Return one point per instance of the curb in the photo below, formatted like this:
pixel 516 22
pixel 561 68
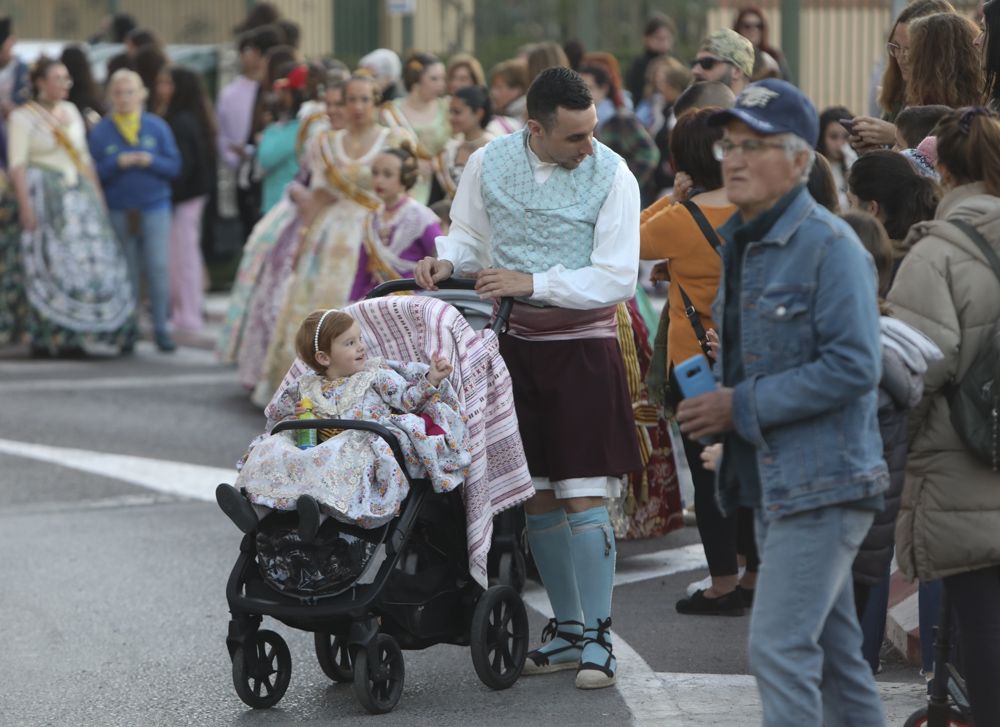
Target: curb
pixel 902 624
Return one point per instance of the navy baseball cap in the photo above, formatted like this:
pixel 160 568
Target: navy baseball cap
pixel 773 106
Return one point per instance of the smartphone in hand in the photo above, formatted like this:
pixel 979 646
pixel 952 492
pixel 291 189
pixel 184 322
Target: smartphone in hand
pixel 694 376
pixel 847 124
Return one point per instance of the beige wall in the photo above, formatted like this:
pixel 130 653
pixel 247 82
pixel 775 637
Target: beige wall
pixel 842 42
pixel 439 26
pixel 840 47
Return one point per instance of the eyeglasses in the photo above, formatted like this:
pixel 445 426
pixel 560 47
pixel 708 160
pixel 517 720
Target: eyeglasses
pixel 708 63
pixel 752 25
pixel 897 51
pixel 751 147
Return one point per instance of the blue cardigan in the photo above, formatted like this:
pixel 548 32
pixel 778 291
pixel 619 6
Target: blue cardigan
pixel 141 188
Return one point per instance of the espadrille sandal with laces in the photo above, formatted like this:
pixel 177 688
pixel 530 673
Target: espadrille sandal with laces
pixel 558 658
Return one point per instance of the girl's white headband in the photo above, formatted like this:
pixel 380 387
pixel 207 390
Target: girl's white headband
pixel 319 327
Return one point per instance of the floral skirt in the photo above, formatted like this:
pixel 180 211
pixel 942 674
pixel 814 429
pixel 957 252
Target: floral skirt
pixel 71 269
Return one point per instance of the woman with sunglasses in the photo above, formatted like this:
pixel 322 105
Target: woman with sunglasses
pixel 752 25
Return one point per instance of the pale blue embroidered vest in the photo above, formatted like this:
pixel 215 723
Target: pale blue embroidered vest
pixel 538 226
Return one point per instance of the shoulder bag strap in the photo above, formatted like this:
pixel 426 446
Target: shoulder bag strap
pixel 981 242
pixel 689 310
pixel 706 227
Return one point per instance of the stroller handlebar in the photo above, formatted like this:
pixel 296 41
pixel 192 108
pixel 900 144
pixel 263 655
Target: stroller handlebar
pixel 405 285
pixel 358 424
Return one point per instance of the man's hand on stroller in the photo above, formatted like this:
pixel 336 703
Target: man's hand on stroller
pixel 440 370
pixel 500 283
pixel 430 271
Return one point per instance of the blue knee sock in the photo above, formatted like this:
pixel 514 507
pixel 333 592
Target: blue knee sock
pixel 594 562
pixel 551 547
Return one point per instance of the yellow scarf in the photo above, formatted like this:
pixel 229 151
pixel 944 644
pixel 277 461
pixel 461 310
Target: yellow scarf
pixel 128 126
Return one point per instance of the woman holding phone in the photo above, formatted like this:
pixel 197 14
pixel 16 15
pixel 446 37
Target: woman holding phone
pixel 870 133
pixel 681 229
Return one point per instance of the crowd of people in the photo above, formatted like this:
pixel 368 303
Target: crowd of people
pixel 835 267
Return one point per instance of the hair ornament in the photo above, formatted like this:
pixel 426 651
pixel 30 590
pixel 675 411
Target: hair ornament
pixel 965 122
pixel 319 327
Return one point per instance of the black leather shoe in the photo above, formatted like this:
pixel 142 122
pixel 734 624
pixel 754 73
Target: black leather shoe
pixel 747 595
pixel 730 604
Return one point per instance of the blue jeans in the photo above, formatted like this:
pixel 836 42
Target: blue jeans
pixel 805 642
pixel 148 251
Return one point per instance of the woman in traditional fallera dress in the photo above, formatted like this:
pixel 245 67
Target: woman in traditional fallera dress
pixel 297 203
pixel 423 113
pixel 469 113
pixel 71 268
pixel 402 231
pixel 316 266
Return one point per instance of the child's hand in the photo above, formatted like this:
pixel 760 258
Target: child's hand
pixel 660 272
pixel 714 344
pixel 440 369
pixel 710 457
pixel 683 184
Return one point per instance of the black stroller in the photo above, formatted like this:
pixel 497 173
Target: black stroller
pixel 368 594
pixel 947 700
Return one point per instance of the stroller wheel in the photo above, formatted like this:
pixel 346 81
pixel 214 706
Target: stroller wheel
pixel 262 668
pixel 512 570
pixel 378 682
pixel 499 637
pixel 334 657
pixel 953 719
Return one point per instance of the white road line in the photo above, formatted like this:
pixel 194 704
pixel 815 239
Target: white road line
pixel 658 699
pixel 116 382
pixel 174 478
pixel 659 564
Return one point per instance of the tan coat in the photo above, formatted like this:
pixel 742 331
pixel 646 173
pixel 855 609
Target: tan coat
pixel 950 517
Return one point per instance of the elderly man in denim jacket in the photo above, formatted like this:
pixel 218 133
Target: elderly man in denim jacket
pixel 800 365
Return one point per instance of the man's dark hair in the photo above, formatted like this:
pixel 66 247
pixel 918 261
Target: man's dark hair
pixel 291 30
pixel 263 38
pixel 554 88
pixel 121 25
pixel 915 123
pixel 701 95
pixel 657 21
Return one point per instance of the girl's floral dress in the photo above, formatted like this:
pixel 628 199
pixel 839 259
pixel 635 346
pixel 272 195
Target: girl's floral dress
pixel 353 474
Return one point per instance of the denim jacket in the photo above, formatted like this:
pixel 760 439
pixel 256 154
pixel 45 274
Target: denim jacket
pixel 812 356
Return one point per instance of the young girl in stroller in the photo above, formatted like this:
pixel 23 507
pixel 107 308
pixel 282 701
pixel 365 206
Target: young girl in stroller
pixel 350 475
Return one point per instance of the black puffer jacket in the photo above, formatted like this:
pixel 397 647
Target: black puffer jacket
pixel 900 390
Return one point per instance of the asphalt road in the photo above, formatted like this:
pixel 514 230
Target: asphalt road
pixel 115 558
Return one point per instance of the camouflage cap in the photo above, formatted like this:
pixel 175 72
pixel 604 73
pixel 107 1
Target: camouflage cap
pixel 731 46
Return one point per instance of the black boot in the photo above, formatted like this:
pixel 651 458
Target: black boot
pixel 237 507
pixel 308 510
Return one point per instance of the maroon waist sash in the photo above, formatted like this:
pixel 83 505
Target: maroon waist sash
pixel 533 323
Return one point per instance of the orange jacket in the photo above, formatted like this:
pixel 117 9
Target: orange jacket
pixel 668 231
